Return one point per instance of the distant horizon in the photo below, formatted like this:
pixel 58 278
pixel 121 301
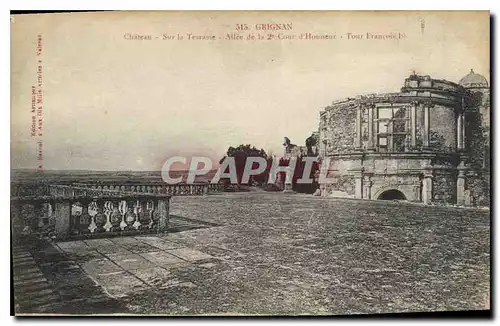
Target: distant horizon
pixel 87 170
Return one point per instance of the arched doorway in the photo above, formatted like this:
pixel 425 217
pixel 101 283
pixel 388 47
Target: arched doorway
pixel 392 194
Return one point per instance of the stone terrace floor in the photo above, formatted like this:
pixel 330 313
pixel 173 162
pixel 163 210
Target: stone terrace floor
pixel 277 253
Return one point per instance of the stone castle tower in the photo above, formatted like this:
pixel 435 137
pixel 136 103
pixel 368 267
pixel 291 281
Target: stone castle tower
pixel 430 142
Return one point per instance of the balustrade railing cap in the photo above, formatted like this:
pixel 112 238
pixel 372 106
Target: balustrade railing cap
pixel 63 192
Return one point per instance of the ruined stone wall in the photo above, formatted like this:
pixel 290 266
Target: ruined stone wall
pixel 341 183
pixel 475 142
pixel 444 188
pixel 443 129
pixel 338 124
pixel 478 143
pixel 478 187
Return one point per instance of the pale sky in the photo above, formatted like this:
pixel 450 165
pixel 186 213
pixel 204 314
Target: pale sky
pixel 117 104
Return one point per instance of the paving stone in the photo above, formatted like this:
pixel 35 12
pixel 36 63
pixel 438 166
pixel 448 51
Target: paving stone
pixel 73 281
pixel 140 247
pixel 130 261
pixel 71 246
pixel 85 255
pixel 124 240
pixel 159 243
pixel 120 284
pixel 112 249
pixel 184 284
pixel 162 258
pixel 100 266
pixel 98 243
pixel 208 265
pixel 155 277
pixel 189 254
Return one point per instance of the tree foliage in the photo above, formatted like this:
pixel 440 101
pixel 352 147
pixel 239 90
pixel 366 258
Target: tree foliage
pixel 241 154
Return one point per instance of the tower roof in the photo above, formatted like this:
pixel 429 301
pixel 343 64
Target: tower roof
pixel 473 80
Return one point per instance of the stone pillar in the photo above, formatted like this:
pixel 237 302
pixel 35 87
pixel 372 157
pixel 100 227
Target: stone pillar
pixel 163 211
pixel 459 132
pixel 357 140
pixel 467 198
pixel 427 187
pixel 62 213
pixel 367 187
pixel 358 182
pixel 413 128
pixel 370 127
pixel 461 187
pixel 426 141
pixel 463 132
pixel 416 193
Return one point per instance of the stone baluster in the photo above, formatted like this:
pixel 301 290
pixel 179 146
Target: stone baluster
pixel 85 219
pixel 155 216
pixel 108 209
pixel 116 217
pixel 100 218
pixel 144 215
pixel 130 215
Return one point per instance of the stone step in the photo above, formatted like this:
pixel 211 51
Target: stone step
pixel 32 291
pixel 32 287
pixel 38 301
pixel 29 281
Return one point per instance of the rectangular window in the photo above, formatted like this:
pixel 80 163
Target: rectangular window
pixel 384 113
pixel 392 125
pixel 382 127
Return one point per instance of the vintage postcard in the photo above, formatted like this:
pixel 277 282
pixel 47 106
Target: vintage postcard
pixel 250 163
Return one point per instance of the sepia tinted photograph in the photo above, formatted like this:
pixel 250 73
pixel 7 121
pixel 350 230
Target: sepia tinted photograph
pixel 250 163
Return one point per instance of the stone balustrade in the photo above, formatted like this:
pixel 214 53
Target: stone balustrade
pixel 64 211
pixel 157 188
